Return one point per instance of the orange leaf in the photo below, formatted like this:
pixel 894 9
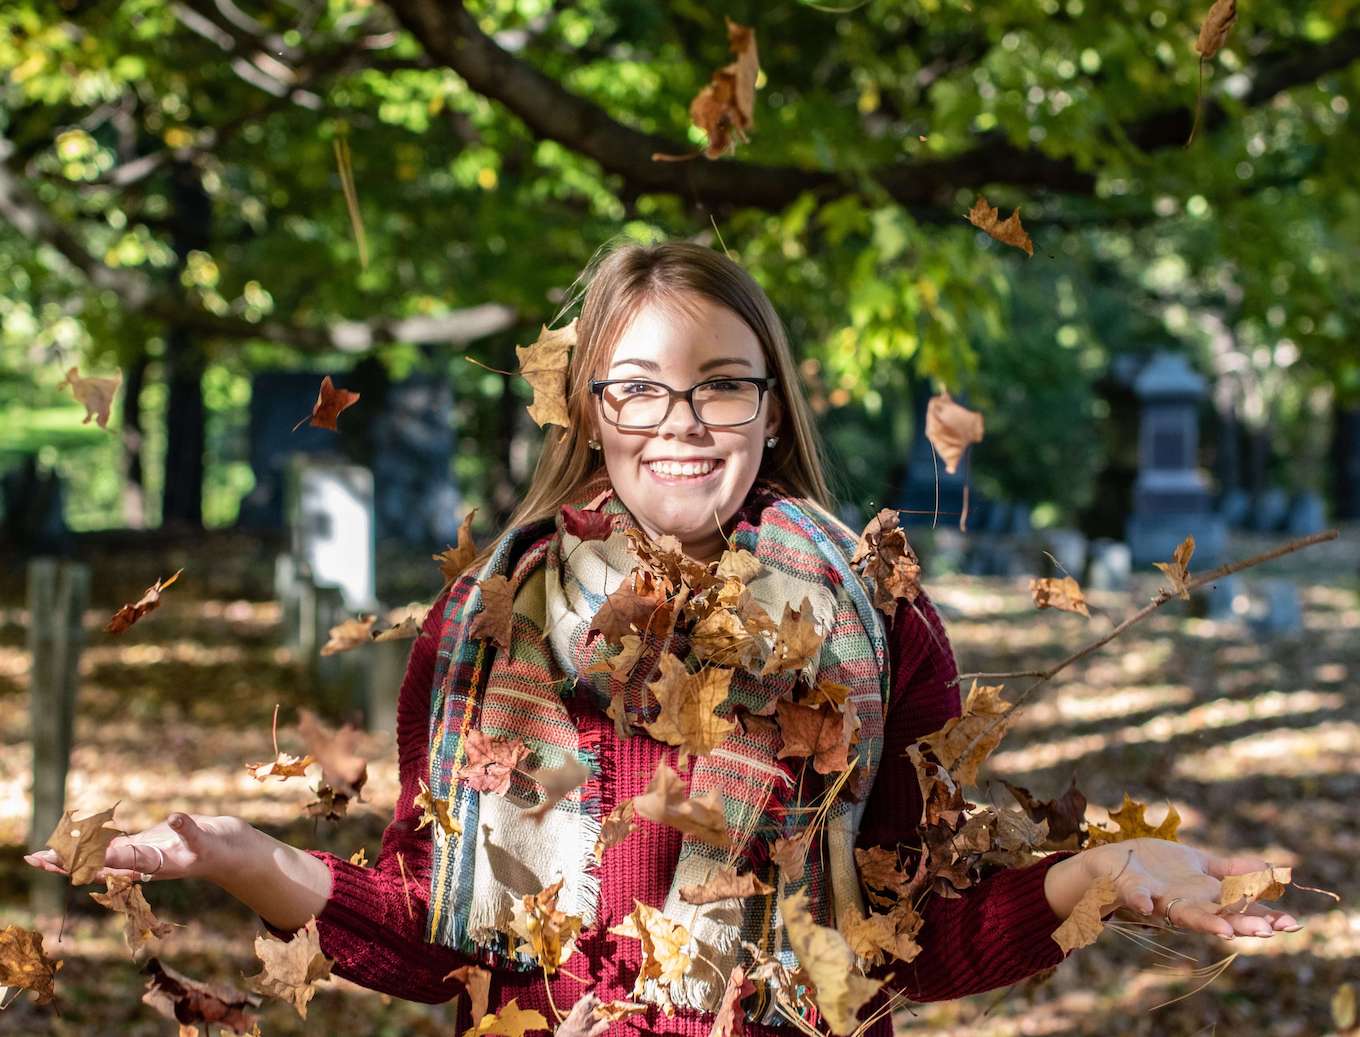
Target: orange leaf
pixel 688 701
pixel 1065 594
pixel 666 802
pixel 25 965
pixel 292 968
pixel 548 933
pixel 140 925
pixel 822 733
pixel 435 812
pixel 149 602
pixel 1132 825
pixel 477 982
pixel 1238 892
pixel 725 107
pixel 95 393
pixel 1009 231
pixel 349 634
pixel 343 770
pixel 330 401
pixel 1178 569
pixel 453 560
pixel 884 554
pixel 81 844
pixel 966 741
pixel 496 619
pixel 616 826
pixel 724 884
pixel 543 364
pixel 1213 33
pixel 490 761
pixel 950 428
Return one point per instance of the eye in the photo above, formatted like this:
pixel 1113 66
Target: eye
pixel 635 388
pixel 726 386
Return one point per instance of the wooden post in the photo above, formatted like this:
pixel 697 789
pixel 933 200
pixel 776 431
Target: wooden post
pixel 57 595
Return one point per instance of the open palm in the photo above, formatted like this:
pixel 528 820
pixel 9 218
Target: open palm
pixel 179 847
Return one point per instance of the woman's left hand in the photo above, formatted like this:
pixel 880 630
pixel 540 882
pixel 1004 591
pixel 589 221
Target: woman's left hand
pixel 1149 874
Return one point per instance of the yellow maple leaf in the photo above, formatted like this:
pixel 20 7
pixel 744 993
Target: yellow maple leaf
pixel 688 701
pixel 1132 825
pixel 966 741
pixel 548 933
pixel 830 962
pixel 665 945
pixel 1238 892
pixel 797 642
pixel 510 1021
pixel 1064 594
pixel 543 364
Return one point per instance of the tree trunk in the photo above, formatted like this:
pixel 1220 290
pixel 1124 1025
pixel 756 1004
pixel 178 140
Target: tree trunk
pixel 134 485
pixel 1346 461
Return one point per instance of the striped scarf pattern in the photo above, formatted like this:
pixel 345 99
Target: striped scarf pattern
pixel 558 583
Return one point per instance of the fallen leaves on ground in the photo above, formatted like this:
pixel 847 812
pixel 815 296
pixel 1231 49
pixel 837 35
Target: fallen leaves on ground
pixel 330 402
pixel 1178 569
pixel 543 364
pixel 190 1002
pixel 557 782
pixel 1132 825
pixel 95 393
pixel 987 218
pixel 688 703
pixel 1064 594
pixel 951 428
pixel 884 555
pixel 1083 925
pixel 1238 892
pixel 667 802
pixel 141 928
pixel 496 618
pixel 510 1021
pixel 81 844
pixel 490 761
pixel 435 812
pixel 966 741
pixel 149 602
pixel 24 964
pixel 292 968
pixel 830 962
pixel 547 932
pixel 724 884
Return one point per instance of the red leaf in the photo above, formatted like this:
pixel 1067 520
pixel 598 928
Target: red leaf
pixel 588 525
pixel 330 401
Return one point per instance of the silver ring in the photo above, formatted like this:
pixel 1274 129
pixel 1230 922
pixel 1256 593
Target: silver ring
pixel 1166 915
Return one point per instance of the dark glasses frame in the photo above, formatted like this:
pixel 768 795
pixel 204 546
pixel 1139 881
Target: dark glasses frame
pixel 598 386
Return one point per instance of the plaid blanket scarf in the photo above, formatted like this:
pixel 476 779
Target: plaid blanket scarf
pixel 558 583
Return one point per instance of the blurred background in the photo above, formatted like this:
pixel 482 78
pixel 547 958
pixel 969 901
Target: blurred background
pixel 218 202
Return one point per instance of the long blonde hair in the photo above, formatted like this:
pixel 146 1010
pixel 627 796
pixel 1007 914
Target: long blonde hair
pixel 620 279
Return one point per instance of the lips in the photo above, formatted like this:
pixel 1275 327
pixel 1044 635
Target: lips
pixel 689 480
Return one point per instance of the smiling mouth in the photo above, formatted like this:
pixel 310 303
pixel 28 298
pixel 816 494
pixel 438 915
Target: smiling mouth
pixel 676 474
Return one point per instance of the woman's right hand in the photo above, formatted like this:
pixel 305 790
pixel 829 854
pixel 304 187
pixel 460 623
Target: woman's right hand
pixel 182 846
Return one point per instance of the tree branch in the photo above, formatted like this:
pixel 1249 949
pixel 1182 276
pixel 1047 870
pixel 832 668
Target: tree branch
pixel 141 294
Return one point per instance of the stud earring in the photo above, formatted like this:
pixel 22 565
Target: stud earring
pixel 594 445
pixel 772 441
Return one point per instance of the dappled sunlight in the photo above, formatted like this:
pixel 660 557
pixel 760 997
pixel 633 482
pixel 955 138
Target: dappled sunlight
pixel 1086 700
pixel 1330 748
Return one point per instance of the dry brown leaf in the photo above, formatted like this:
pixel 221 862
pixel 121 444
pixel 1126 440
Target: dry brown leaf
pixel 292 968
pixel 403 622
pixel 24 964
pixel 543 364
pixel 688 702
pixel 1084 924
pixel 664 944
pixel 1213 33
pixel 740 565
pixel 797 642
pixel 95 393
pixel 496 618
pixel 359 858
pixel 510 1021
pixel 1064 594
pixel 1064 815
pixel 453 560
pixel 1132 825
pixel 942 799
pixel 642 603
pixel 879 872
pixel 343 770
pixel 141 928
pixel 1178 569
pixel 187 1002
pixel 724 884
pixel 951 428
pixel 435 812
pixel 666 802
pixel 830 962
pixel 616 826
pixel 282 766
pixel 723 639
pixel 1238 892
pixel 725 108
pixel 884 554
pixel 547 932
pixel 966 741
pixel 1008 231
pixel 893 933
pixel 613 1011
pixel 730 1020
pixel 822 732
pixel 557 781
pixel 349 634
pixel 477 982
pixel 149 602
pixel 791 855
pixel 490 761
pixel 81 844
pixel 330 401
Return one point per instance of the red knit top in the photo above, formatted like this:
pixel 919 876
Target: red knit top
pixel 996 933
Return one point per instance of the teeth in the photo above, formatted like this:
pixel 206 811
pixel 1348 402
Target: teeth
pixel 673 468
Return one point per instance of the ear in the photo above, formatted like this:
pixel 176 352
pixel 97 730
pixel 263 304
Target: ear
pixel 774 416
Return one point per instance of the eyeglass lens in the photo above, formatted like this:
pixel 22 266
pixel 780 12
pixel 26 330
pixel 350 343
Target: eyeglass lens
pixel 643 404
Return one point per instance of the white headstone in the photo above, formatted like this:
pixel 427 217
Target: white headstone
pixel 331 520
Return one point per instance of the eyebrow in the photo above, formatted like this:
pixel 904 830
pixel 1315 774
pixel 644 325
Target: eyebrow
pixel 707 365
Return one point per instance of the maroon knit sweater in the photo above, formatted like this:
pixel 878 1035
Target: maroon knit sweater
pixel 996 933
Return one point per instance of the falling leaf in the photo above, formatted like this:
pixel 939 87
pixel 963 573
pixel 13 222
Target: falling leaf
pixel 557 781
pixel 1084 924
pixel 359 858
pixel 951 427
pixel 942 799
pixel 453 560
pixel 879 871
pixel 510 1021
pixel 330 401
pixel 81 844
pixel 893 932
pixel 616 826
pixel 966 741
pixel 95 393
pixel 435 812
pixel 884 554
pixel 343 771
pixel 665 945
pixel 726 637
pixel 1178 569
pixel 823 733
pixel 477 982
pixel 797 642
pixel 547 932
pixel 496 619
pixel 1063 815
pixel 725 108
pixel 588 525
pixel 791 855
pixel 543 364
pixel 140 926
pixel 403 622
pixel 349 634
pixel 1214 32
pixel 667 803
pixel 1343 1007
pixel 688 701
pixel 1008 231
pixel 189 1002
pixel 724 884
pixel 281 766
pixel 25 965
pixel 1132 825
pixel 490 761
pixel 830 962
pixel 730 1021
pixel 149 602
pixel 1062 594
pixel 1238 892
pixel 292 968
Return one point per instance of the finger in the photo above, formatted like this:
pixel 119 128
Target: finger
pixel 1280 921
pixel 1249 925
pixel 46 860
pixel 1200 916
pixel 1222 867
pixel 1138 891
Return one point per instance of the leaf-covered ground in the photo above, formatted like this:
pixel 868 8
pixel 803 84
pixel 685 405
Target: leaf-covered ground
pixel 1253 741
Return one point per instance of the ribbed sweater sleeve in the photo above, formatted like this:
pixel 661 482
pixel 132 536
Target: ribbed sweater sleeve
pixel 374 921
pixel 997 932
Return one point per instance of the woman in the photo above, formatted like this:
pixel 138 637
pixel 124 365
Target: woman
pixel 685 420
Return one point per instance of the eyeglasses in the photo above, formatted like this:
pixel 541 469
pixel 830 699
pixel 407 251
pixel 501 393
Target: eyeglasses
pixel 638 403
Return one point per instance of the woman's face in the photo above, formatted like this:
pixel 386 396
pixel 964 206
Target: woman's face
pixel 663 345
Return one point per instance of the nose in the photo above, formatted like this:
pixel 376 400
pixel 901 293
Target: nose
pixel 681 422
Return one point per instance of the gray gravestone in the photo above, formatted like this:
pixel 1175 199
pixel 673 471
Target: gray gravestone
pixel 1306 515
pixel 1269 510
pixel 1278 612
pixel 1111 565
pixel 330 507
pixel 1171 495
pixel 1068 546
pixel 1234 508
